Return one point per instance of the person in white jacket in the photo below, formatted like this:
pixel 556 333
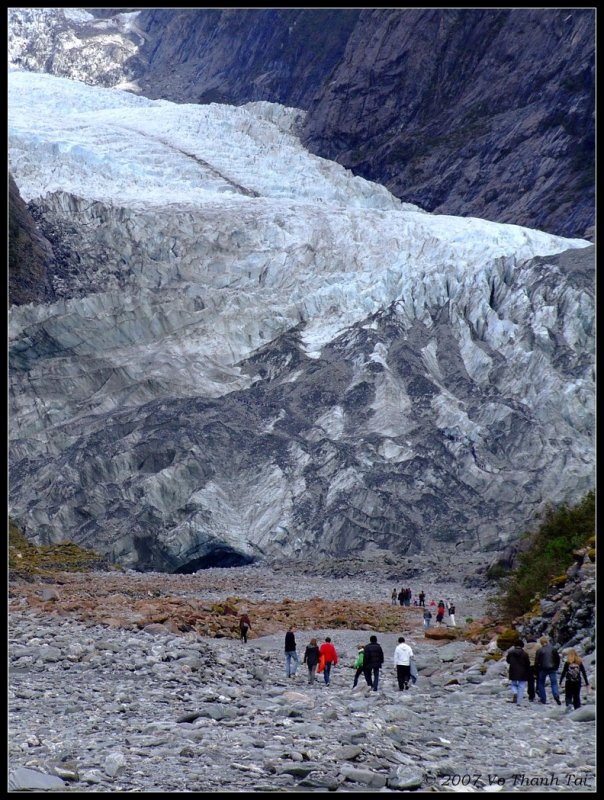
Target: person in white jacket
pixel 402 661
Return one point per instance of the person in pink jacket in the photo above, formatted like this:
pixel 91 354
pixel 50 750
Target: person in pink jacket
pixel 330 658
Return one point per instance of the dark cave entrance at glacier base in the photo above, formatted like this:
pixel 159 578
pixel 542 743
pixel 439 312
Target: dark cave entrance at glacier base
pixel 218 557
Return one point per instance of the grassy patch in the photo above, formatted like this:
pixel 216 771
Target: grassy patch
pixel 26 560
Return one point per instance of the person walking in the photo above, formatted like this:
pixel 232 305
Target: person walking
pixel 519 671
pixel 547 661
pixel 244 626
pixel 427 618
pixel 358 665
pixel 402 661
pixel 393 596
pixel 311 659
pixel 440 614
pixel 572 673
pixel 530 648
pixel 401 597
pixel 328 652
pixel 422 599
pixel 372 660
pixel 452 614
pixel 291 656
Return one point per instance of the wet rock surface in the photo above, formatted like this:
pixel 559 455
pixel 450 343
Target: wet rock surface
pixel 101 706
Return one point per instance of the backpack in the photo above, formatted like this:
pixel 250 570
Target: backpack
pixel 360 658
pixel 573 673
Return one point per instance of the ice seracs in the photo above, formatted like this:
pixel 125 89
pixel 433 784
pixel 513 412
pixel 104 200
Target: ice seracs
pixel 212 268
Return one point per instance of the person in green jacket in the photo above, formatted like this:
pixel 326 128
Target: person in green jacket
pixel 358 664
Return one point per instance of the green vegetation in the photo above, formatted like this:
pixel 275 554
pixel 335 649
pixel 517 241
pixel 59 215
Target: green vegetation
pixel 563 531
pixel 26 560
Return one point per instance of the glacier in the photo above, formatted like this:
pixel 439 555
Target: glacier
pixel 212 270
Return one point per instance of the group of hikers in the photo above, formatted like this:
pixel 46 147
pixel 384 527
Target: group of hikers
pixel 405 598
pixel 368 663
pixel 321 658
pixel 523 675
pixel 449 608
pixel 545 667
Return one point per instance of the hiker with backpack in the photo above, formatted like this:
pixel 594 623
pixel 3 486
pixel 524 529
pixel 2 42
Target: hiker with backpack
pixel 572 673
pixel 530 648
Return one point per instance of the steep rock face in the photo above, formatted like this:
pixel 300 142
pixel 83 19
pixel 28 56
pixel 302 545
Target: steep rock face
pixel 30 255
pixel 478 112
pixel 241 55
pixel 469 112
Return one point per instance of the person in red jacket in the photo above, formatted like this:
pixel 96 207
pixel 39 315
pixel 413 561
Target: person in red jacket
pixel 330 658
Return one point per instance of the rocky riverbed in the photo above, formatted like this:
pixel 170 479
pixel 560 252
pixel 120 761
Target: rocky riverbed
pixel 115 687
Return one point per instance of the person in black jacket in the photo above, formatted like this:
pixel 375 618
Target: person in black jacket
pixel 291 656
pixel 547 661
pixel 311 659
pixel 519 672
pixel 573 671
pixel 372 662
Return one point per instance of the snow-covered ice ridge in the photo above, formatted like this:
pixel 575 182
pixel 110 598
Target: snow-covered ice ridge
pixel 300 235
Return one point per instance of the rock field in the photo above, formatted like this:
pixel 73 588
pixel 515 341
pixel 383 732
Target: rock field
pixel 113 688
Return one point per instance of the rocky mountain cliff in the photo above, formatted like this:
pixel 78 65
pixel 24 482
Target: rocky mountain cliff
pixel 31 258
pixel 253 354
pixel 473 112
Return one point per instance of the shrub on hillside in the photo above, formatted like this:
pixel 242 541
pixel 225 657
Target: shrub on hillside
pixel 552 551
